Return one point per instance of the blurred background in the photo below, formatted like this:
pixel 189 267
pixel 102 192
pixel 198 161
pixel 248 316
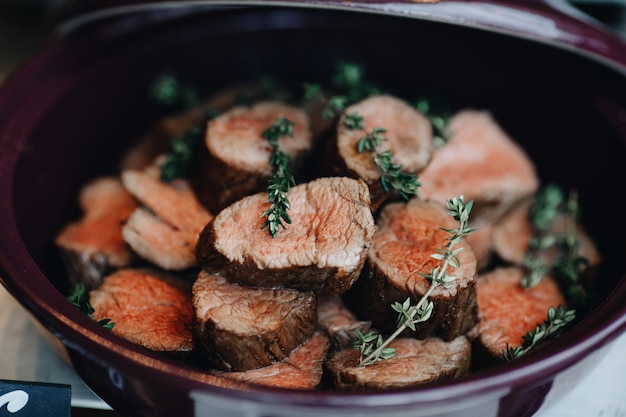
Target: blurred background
pixel 24 24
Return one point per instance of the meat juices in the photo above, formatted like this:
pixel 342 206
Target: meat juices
pixel 323 250
pixel 93 246
pixel 148 307
pixel 406 237
pixel 247 328
pixel 409 135
pixel 234 161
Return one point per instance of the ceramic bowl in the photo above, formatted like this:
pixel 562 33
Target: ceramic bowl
pixel 553 79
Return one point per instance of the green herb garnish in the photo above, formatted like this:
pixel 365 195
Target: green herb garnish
pixel 392 175
pixel 348 80
pixel 372 348
pixel 79 298
pixel 177 162
pixel 282 179
pixel 439 120
pixel 558 319
pixel 169 91
pixel 548 205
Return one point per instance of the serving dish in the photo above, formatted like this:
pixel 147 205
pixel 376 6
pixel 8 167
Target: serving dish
pixel 555 81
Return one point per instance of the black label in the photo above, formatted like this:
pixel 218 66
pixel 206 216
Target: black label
pixel 35 399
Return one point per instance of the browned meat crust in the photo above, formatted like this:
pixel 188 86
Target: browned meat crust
pixel 302 369
pixel 244 328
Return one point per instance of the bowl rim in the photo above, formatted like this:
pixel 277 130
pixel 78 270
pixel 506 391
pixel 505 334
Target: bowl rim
pixel 47 305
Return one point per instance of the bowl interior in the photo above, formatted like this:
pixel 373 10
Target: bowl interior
pixel 86 100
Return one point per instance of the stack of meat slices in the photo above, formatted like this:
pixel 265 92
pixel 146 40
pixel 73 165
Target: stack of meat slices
pixel 186 266
pixel 256 298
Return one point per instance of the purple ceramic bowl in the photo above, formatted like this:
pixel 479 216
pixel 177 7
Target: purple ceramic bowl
pixel 556 82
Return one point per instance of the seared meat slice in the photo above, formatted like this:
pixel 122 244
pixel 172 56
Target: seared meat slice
pixel 156 141
pixel 323 250
pixel 409 138
pixel 338 322
pixel 93 246
pixel 234 161
pixel 416 362
pixel 244 328
pixel 302 369
pixel 482 163
pixel 512 233
pixel 165 228
pixel 149 307
pixel 507 311
pixel 406 237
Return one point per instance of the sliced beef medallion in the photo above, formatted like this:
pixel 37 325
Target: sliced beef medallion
pixel 302 369
pixel 157 140
pixel 164 229
pixel 148 307
pixel 409 138
pixel 234 161
pixel 244 328
pixel 322 250
pixel 512 234
pixel 507 311
pixel 338 322
pixel 93 246
pixel 416 362
pixel 480 162
pixel 406 237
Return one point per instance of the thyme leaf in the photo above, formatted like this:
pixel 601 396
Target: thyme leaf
pixel 392 175
pixel 558 318
pixel 438 117
pixel 548 205
pixel 79 299
pixel 349 82
pixel 169 91
pixel 177 162
pixel 373 349
pixel 282 179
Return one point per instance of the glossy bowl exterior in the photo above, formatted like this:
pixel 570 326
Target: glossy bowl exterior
pixel 67 116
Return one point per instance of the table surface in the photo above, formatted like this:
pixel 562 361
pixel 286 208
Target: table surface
pixel 25 356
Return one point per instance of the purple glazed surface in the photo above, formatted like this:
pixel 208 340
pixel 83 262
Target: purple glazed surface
pixel 67 115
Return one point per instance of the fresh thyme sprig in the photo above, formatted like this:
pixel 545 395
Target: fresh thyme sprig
pixel 282 179
pixel 79 299
pixel 439 120
pixel 351 85
pixel 558 319
pixel 410 315
pixel 177 162
pixel 168 90
pixel 549 204
pixel 392 175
